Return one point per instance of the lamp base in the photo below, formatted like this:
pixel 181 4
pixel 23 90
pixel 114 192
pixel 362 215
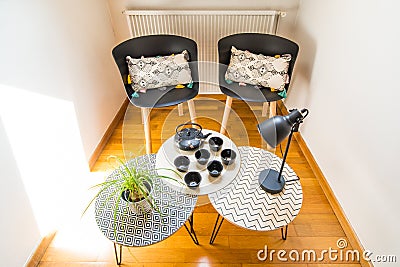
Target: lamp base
pixel 268 180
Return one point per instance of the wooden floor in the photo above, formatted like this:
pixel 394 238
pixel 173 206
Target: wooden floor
pixel 315 228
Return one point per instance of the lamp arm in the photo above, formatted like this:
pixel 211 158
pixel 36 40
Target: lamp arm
pixel 285 155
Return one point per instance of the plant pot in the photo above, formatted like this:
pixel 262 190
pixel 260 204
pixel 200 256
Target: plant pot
pixel 139 206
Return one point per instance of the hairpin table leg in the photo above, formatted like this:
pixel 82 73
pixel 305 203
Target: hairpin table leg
pixel 284 236
pixel 191 232
pixel 215 233
pixel 118 259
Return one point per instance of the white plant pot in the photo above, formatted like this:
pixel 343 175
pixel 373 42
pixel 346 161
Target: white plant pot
pixel 141 206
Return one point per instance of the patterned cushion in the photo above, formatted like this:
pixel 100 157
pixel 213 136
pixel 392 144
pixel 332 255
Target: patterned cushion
pixel 155 72
pixel 265 71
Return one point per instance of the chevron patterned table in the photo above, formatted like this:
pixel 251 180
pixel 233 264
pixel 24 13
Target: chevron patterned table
pixel 244 203
pixel 138 230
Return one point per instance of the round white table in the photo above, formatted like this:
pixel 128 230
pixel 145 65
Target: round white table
pixel 245 204
pixel 169 151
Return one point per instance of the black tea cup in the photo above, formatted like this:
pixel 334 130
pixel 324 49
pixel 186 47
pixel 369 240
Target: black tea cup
pixel 228 156
pixel 215 168
pixel 182 163
pixel 202 156
pixel 192 179
pixel 215 143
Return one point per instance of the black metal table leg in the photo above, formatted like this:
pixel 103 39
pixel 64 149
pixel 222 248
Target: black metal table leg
pixel 191 223
pixel 215 233
pixel 118 259
pixel 191 232
pixel 284 236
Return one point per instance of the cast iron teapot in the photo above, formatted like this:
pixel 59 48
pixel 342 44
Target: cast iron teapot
pixel 189 138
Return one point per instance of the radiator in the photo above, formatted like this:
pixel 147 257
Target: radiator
pixel 204 27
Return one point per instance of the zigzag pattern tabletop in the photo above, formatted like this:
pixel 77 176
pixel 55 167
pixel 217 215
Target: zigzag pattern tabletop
pixel 246 204
pixel 144 229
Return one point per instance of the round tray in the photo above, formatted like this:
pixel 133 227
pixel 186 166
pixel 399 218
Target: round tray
pixel 169 151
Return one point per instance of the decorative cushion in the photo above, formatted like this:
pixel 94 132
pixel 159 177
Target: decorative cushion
pixel 260 70
pixel 155 72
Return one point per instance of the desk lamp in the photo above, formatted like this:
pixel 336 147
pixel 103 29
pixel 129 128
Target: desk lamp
pixel 274 131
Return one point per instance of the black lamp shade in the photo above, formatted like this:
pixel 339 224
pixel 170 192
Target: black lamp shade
pixel 277 128
pixel 274 130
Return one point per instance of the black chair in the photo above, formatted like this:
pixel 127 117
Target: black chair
pixel 257 43
pixel 151 46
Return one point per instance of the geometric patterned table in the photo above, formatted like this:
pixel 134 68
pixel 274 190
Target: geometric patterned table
pixel 148 228
pixel 246 204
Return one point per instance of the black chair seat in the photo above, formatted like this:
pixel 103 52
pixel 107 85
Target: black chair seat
pixel 156 98
pixel 251 95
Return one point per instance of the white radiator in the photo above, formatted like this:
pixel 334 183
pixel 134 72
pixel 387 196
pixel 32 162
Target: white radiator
pixel 205 27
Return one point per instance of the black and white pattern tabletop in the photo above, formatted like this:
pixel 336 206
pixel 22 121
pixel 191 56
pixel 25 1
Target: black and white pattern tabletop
pixel 147 228
pixel 246 204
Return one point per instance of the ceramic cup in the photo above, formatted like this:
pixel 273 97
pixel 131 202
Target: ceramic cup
pixel 202 156
pixel 215 168
pixel 215 143
pixel 192 179
pixel 228 156
pixel 182 163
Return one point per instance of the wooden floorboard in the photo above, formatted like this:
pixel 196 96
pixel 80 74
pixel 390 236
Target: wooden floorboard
pixel 315 228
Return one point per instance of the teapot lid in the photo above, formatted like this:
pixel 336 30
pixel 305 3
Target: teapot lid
pixel 188 133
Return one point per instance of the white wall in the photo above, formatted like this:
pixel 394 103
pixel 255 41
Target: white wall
pixel 98 92
pixel 19 229
pixel 59 91
pixel 122 31
pixel 347 76
pixel 63 49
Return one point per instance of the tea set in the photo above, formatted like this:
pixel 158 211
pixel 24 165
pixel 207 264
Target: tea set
pixel 192 139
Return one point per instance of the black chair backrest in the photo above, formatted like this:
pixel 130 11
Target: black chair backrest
pixel 257 43
pixel 152 46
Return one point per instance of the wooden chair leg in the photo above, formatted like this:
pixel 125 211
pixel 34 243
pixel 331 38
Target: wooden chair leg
pixel 146 125
pixel 264 109
pixel 192 110
pixel 225 118
pixel 272 112
pixel 180 109
pixel 272 109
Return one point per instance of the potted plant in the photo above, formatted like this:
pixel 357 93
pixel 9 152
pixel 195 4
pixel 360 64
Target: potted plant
pixel 132 182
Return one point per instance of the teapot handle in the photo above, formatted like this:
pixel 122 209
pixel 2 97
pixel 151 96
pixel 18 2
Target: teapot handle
pixel 184 124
